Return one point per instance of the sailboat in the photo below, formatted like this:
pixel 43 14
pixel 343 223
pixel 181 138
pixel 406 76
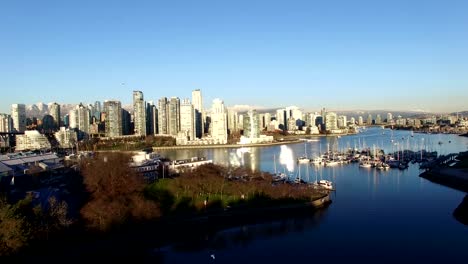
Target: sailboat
pixel 278 176
pixel 304 159
pixel 298 179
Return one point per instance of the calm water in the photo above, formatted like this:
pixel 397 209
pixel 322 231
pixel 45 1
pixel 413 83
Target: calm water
pixel 376 216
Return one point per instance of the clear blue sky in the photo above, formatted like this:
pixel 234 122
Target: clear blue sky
pixel 336 54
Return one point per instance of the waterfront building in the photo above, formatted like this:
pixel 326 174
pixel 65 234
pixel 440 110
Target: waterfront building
pixel 252 124
pixel 389 118
pixel 18 114
pixel 6 123
pixel 331 121
pixel 139 114
pixel 218 122
pixel 32 140
pixel 54 111
pixel 267 120
pixel 273 126
pixel 400 121
pixel 197 102
pixel 66 137
pixel 352 121
pixel 187 119
pixel 240 123
pixel 314 130
pixel 261 120
pixel 293 111
pixel 163 108
pixel 113 118
pixel 252 129
pixel 281 118
pixel 369 120
pixel 360 121
pixel 174 116
pixel 292 124
pixel 342 121
pixel 232 121
pixel 378 120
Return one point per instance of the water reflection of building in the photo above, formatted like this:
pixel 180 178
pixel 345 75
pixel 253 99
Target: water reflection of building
pixel 248 158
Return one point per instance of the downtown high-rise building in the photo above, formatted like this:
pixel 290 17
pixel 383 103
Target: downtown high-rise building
pixel 342 121
pixel 54 111
pixel 151 118
pixel 389 118
pixel 79 120
pixel 97 110
pixel 18 114
pixel 267 119
pixel 113 120
pixel 331 121
pixel 378 120
pixel 174 116
pixel 252 124
pixel 197 102
pixel 163 107
pixel 281 117
pixel 232 121
pixel 187 119
pixel 218 122
pixel 6 123
pixel 139 113
pixel 127 128
pixel 369 120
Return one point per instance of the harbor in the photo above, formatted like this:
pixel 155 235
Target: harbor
pixel 384 211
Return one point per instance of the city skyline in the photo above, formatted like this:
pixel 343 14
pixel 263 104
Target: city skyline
pixel 363 55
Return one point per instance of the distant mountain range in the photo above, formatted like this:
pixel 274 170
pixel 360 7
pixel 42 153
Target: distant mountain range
pixel 40 109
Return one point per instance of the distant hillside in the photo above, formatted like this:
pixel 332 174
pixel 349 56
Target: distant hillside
pixel 462 113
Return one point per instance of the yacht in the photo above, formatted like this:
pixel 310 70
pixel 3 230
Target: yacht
pixel 326 184
pixel 303 159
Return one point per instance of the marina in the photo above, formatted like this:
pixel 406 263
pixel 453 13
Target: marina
pixel 384 210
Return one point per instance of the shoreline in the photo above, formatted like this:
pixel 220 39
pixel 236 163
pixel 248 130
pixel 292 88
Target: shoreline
pixel 455 178
pixel 298 139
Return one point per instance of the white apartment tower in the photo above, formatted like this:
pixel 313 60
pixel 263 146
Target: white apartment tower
pixel 232 121
pixel 54 111
pixel 187 119
pixel 389 118
pixel 66 137
pixel 174 116
pixel 162 116
pixel 79 119
pixel 139 113
pixel 18 114
pixel 218 122
pixel 6 123
pixel 252 124
pixel 197 102
pixel 331 121
pixel 281 118
pixel 113 121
